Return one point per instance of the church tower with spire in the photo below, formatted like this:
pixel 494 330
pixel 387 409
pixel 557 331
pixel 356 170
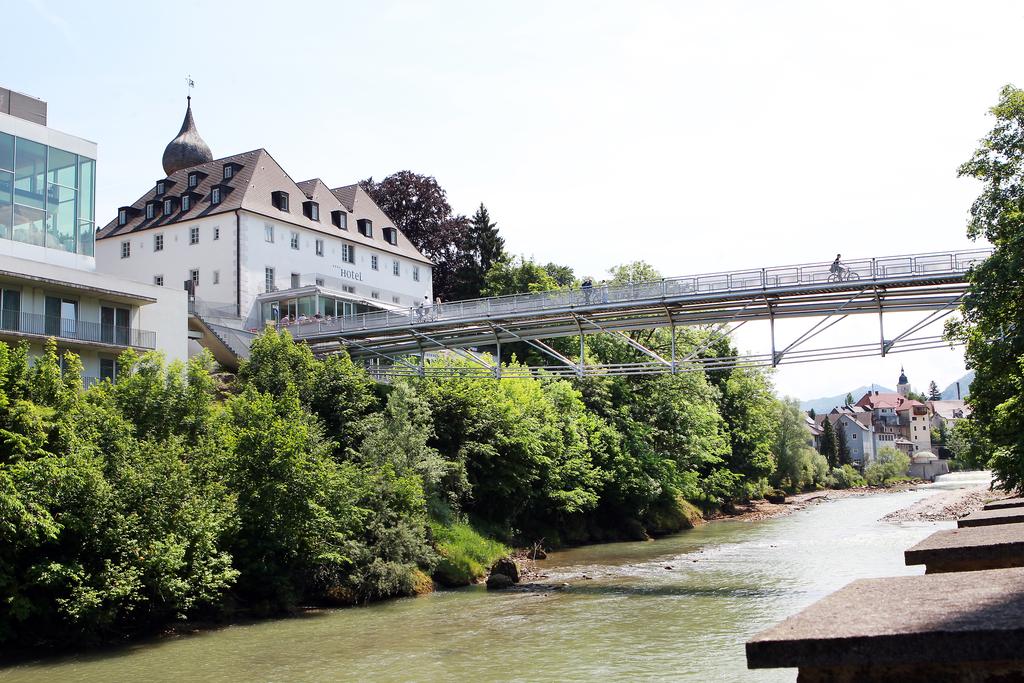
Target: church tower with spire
pixel 903 386
pixel 188 148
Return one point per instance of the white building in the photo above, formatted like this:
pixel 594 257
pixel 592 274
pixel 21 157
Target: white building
pixel 49 286
pixel 255 247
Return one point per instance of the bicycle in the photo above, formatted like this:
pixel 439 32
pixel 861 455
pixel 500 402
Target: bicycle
pixel 843 274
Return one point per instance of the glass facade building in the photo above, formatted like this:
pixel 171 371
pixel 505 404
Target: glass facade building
pixel 47 196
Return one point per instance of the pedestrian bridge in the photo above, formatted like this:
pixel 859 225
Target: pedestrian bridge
pixel 395 343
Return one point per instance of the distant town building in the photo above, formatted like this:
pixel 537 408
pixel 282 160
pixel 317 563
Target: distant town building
pixel 948 413
pixel 253 247
pixel 49 286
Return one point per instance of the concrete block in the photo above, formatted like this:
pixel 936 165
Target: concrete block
pixel 989 517
pixel 973 548
pixel 1005 503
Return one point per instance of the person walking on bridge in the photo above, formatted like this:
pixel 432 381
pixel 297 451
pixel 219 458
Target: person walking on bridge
pixel 587 286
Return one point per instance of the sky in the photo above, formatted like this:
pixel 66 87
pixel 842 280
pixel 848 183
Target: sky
pixel 695 136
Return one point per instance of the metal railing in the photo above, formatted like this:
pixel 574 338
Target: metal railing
pixel 880 269
pixel 76 330
pixel 212 309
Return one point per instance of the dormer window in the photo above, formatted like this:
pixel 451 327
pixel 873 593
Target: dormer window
pixel 340 219
pixel 122 216
pixel 161 187
pixel 186 202
pixel 215 195
pixel 150 210
pixel 312 210
pixel 366 226
pixel 390 235
pixel 229 171
pixel 193 179
pixel 168 206
pixel 280 200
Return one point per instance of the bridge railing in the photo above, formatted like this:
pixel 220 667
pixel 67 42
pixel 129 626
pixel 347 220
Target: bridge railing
pixel 874 269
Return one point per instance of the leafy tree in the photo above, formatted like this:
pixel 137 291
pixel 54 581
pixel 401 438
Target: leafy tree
pixel 637 271
pixel 842 447
pixel 419 207
pixel 798 465
pixel 482 248
pixel 889 465
pixel 934 393
pixel 849 399
pixel 992 309
pixel 516 275
pixel 562 275
pixel 749 410
pixel 829 443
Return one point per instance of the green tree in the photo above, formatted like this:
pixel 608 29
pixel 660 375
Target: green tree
pixel 517 275
pixel 890 464
pixel 849 399
pixel 562 275
pixel 934 393
pixel 798 465
pixel 482 248
pixel 992 308
pixel 842 447
pixel 829 443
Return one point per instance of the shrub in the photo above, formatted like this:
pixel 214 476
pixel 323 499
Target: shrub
pixel 890 466
pixel 846 477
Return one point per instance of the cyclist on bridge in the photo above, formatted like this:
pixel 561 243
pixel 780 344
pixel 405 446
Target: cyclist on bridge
pixel 837 266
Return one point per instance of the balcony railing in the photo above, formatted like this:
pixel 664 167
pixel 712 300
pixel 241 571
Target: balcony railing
pixel 872 270
pixel 76 330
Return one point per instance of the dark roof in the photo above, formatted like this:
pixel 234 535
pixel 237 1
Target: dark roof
pixel 250 189
pixel 346 195
pixel 188 148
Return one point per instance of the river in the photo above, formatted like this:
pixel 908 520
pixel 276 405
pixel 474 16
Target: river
pixel 679 609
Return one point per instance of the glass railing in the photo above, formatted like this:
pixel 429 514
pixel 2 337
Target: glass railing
pixel 76 330
pixel 822 274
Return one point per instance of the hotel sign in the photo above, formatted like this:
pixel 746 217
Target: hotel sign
pixel 349 274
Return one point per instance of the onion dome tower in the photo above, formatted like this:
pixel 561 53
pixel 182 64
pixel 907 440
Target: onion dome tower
pixel 188 148
pixel 904 384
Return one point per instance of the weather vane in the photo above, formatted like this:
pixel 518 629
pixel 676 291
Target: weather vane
pixel 191 84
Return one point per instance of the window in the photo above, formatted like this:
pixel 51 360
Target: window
pixel 294 241
pixel 340 219
pixel 296 281
pixel 416 273
pixel 216 277
pixel 161 187
pixel 319 247
pixel 168 206
pixel 126 249
pixel 395 300
pixel 215 195
pixel 108 369
pixel 390 235
pixel 374 262
pixel 150 210
pixel 319 282
pixel 193 235
pixel 311 209
pixel 216 233
pixel 365 226
pixel 193 276
pixel 186 202
pixel 193 179
pixel 158 242
pixel 375 295
pixel 280 200
pixel 114 324
pixel 348 288
pixel 122 216
pixel 268 279
pixel 229 171
pixel 348 253
pixel 268 232
pixel 396 268
pixel 158 280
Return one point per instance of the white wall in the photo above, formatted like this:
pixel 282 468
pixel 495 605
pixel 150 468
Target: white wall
pixel 258 254
pixel 167 317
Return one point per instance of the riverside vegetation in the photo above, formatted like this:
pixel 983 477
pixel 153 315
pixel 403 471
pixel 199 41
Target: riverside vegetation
pixel 174 493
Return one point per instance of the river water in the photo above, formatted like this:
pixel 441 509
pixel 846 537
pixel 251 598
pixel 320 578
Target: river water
pixel 679 609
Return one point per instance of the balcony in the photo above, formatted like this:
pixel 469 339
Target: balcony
pixel 70 329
